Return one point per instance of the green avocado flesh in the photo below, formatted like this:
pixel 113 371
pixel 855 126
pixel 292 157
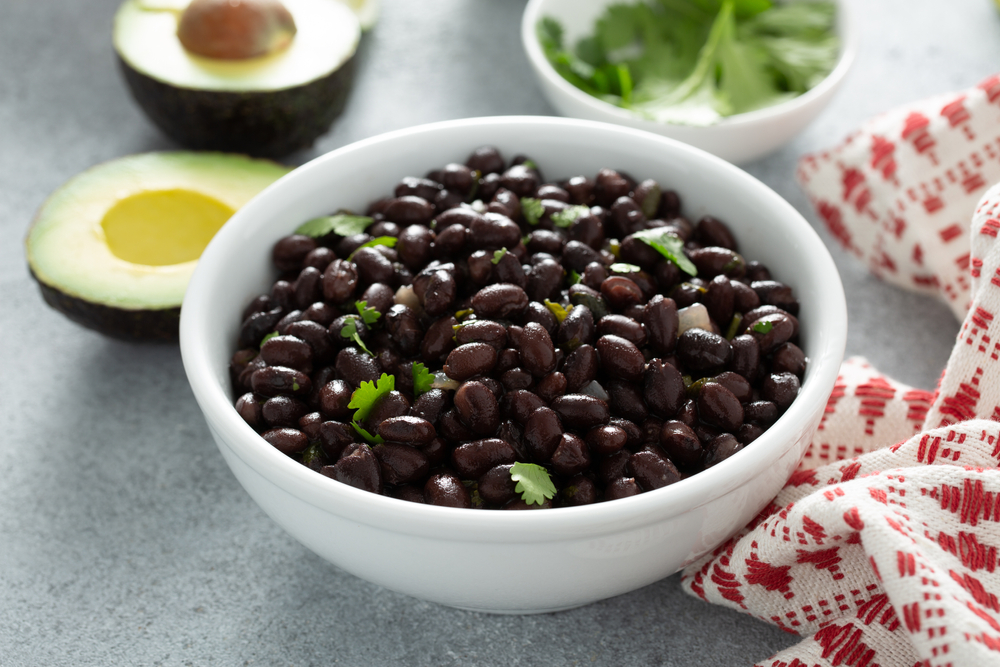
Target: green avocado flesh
pixel 266 106
pixel 113 249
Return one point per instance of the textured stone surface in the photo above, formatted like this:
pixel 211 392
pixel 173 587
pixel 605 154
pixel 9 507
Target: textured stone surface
pixel 125 540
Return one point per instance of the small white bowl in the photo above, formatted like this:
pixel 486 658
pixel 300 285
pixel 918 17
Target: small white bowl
pixel 497 561
pixel 740 139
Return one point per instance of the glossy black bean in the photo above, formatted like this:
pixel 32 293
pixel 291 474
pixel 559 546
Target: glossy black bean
pixel 537 353
pixel 788 358
pixel 719 299
pixel 407 430
pixel 772 331
pixel 493 231
pixel 409 210
pixel 606 439
pixel 469 360
pixel 275 380
pixel 543 281
pixel 587 230
pixel 609 185
pixel 340 280
pixel 286 440
pixel 308 287
pixel 719 407
pixel 620 358
pixel 719 449
pixel 711 231
pixel 577 255
pixel 680 443
pixel 334 397
pixel 334 437
pixel 620 292
pixel 287 351
pixel 414 246
pixel 551 386
pixel 477 407
pixel 703 351
pixel 424 188
pixel 626 217
pixel 581 295
pixel 625 327
pixel 500 301
pixel 357 467
pixel 748 432
pixel 752 317
pixel 482 331
pixel 495 485
pixel 626 399
pixel 688 413
pixel 580 411
pixel 547 241
pixel 581 367
pixel 401 464
pixel 712 261
pixel 577 328
pixel 439 341
pixel 746 357
pixel 542 432
pixel 663 388
pixel 520 180
pixel 652 471
pixel 571 455
pixel 744 298
pixel 355 366
pixel 774 293
pixel 623 487
pixel 290 318
pixel 662 322
pixel 250 409
pixel 283 410
pixel 578 490
pixel 473 459
pixel 486 160
pixel 289 252
pixel 505 203
pixel 258 325
pixel 446 490
pixel 404 326
pixel 779 388
pixel 440 293
pixel 735 383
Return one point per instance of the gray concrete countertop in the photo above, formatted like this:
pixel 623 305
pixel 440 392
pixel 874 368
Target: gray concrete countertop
pixel 125 540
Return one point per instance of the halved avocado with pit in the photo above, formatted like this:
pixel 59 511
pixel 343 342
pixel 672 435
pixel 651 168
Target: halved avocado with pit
pixel 264 105
pixel 113 249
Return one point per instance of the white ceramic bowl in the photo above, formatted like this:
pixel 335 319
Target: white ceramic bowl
pixel 740 139
pixel 498 561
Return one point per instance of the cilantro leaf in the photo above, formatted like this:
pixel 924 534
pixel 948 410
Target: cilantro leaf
pixel 567 216
pixel 367 394
pixel 342 224
pixel 367 313
pixel 574 277
pixel 669 245
pixel 422 379
pixel 498 255
pixel 374 439
pixel 762 327
pixel 389 241
pixel 532 210
pixel 533 482
pixel 350 332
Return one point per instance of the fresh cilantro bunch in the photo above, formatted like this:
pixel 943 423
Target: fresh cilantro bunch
pixel 694 62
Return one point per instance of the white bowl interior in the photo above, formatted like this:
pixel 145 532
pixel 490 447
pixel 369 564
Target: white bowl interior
pixel 683 520
pixel 739 139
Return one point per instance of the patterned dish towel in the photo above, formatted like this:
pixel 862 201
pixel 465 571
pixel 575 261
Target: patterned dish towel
pixel 899 193
pixel 882 548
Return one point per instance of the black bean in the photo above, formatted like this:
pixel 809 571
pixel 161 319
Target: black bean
pixel 609 185
pixel 439 341
pixel 407 430
pixel 473 459
pixel 581 295
pixel 571 456
pixel 537 353
pixel 606 439
pixel 680 443
pixel 620 292
pixel 258 325
pixel 401 464
pixel 577 255
pixel 577 328
pixel 477 407
pixel 626 399
pixel 355 366
pixel 703 351
pixel 713 232
pixel 469 360
pixel 581 367
pixel 719 407
pixel 621 358
pixel 290 252
pixel 581 411
pixel 249 409
pixel 771 331
pixel 440 293
pixel 550 386
pixel 663 388
pixel 779 388
pixel 652 471
pixel 414 246
pixel 541 315
pixel 340 280
pixel 623 487
pixel 774 293
pixel 661 320
pixel 788 358
pixel 542 432
pixel 494 231
pixel 505 203
pixel 712 261
pixel 286 440
pixel 500 301
pixel 409 210
pixel 275 380
pixel 520 180
pixel 519 404
pixel 334 438
pixel 720 448
pixel 625 327
pixel 446 490
pixel 626 217
pixel 486 160
pixel 579 490
pixel 495 485
pixel 544 279
pixel 283 410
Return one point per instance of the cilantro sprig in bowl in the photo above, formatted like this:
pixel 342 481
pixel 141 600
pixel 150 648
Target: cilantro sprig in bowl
pixel 738 78
pixel 492 560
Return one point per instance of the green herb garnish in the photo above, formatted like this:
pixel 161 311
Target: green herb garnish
pixel 558 310
pixel 574 277
pixel 364 399
pixel 567 216
pixel 669 245
pixel 533 483
pixel 622 267
pixel 695 62
pixel 367 313
pixel 422 379
pixel 498 255
pixel 530 164
pixel 389 241
pixel 350 332
pixel 268 337
pixel 342 224
pixel 532 210
pixel 734 326
pixel 762 327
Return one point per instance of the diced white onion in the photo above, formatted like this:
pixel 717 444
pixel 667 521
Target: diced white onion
pixel 694 316
pixel 407 297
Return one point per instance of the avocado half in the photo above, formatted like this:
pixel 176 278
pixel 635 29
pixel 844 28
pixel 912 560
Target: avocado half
pixel 266 106
pixel 113 249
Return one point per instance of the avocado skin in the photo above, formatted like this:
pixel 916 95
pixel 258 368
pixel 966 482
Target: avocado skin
pixel 162 325
pixel 268 123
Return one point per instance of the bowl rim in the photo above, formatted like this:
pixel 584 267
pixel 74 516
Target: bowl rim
pixel 849 36
pixel 585 522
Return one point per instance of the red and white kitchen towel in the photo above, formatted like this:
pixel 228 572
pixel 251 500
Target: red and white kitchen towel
pixel 883 548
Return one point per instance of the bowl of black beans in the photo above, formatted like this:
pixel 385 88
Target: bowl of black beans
pixel 514 364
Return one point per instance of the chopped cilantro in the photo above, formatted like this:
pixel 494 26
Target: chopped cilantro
pixel 762 327
pixel 422 379
pixel 533 482
pixel 530 164
pixel 669 245
pixel 498 255
pixel 574 277
pixel 734 326
pixel 622 267
pixel 268 337
pixel 558 310
pixel 342 224
pixel 569 215
pixel 389 241
pixel 367 313
pixel 350 332
pixel 364 399
pixel 532 210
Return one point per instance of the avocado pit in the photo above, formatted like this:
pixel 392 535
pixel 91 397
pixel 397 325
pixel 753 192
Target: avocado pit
pixel 235 29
